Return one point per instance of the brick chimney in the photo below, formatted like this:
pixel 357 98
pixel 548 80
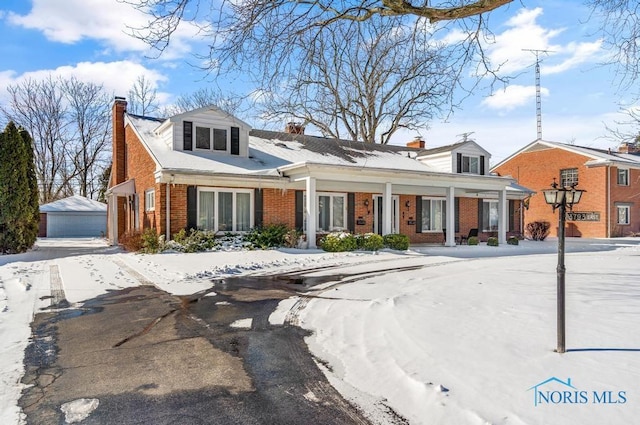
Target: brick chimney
pixel 118 148
pixel 294 128
pixel 627 147
pixel 417 143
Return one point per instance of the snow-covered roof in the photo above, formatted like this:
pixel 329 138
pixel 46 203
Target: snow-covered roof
pixel 75 203
pixel 597 156
pixel 270 150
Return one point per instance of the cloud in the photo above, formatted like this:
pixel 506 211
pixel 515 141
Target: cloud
pixel 116 77
pixel 513 47
pixel 512 96
pixel 107 21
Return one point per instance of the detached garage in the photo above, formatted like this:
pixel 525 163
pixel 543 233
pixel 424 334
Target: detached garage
pixel 73 217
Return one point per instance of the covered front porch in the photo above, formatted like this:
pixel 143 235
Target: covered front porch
pixel 428 207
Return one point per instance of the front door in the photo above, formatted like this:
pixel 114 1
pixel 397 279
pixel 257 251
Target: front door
pixel 378 214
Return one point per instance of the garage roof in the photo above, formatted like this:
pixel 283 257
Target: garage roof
pixel 74 203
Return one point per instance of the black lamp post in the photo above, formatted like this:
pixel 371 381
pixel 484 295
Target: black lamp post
pixel 561 198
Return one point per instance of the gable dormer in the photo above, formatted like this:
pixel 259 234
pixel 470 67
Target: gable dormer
pixel 462 158
pixel 207 130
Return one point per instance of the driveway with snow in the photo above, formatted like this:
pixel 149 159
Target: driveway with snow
pixel 436 335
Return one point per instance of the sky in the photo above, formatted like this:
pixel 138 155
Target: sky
pixel 435 335
pixel 89 40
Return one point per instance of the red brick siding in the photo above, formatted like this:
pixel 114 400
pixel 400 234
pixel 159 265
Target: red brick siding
pixel 141 167
pixel 536 170
pixel 628 195
pixel 279 207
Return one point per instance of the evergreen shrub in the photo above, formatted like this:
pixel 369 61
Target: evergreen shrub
pixel 396 241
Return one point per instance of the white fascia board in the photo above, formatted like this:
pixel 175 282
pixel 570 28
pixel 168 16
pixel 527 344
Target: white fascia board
pixel 605 162
pixel 225 116
pixel 402 177
pixel 201 178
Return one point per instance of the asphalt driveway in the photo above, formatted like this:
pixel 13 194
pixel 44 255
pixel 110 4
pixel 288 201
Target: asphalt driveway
pixel 143 356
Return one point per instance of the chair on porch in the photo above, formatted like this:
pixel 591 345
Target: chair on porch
pixel 473 233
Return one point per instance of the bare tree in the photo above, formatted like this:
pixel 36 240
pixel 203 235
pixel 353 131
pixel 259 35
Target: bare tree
pixel 364 82
pixel 204 97
pixel 263 38
pixel 38 106
pixel 620 25
pixel 70 125
pixel 89 117
pixel 287 17
pixel 627 130
pixel 142 97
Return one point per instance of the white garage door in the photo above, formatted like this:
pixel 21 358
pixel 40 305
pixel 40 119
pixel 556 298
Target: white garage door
pixel 72 224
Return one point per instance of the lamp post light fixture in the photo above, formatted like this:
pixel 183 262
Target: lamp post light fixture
pixel 561 198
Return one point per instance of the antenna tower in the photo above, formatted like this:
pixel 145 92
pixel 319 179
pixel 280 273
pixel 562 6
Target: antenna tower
pixel 538 97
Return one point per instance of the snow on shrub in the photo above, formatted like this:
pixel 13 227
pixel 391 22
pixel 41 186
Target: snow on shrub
pixel 339 242
pixel 370 242
pixel 396 241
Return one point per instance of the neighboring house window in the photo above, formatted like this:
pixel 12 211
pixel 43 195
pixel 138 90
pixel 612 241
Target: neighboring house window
pixel 226 210
pixel 149 200
pixel 433 214
pixel 623 214
pixel 470 164
pixel 568 177
pixel 623 177
pixel 203 138
pixel 489 216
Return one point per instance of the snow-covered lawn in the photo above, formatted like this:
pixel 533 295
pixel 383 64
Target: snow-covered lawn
pixel 436 336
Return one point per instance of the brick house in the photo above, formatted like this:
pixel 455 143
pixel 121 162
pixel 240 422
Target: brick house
pixel 610 206
pixel 209 170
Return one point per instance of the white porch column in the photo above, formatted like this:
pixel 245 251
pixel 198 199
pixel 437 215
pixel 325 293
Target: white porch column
pixel 387 204
pixel 451 217
pixel 112 231
pixel 503 211
pixel 311 212
pixel 167 233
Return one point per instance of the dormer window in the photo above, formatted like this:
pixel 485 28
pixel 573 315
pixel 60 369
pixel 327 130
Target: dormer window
pixel 470 164
pixel 203 138
pixel 211 139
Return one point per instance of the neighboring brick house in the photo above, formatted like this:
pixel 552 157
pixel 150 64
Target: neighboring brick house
pixel 209 170
pixel 610 206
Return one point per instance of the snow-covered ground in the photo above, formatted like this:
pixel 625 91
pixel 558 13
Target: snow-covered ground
pixel 437 335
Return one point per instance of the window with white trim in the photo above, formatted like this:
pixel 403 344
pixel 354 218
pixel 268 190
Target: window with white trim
pixel 331 210
pixel 433 214
pixel 568 177
pixel 225 210
pixel 150 200
pixel 205 136
pixel 623 177
pixel 470 164
pixel 489 215
pixel 623 213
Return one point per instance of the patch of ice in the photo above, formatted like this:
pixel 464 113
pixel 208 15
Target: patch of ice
pixel 242 323
pixel 280 313
pixel 311 397
pixel 78 410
